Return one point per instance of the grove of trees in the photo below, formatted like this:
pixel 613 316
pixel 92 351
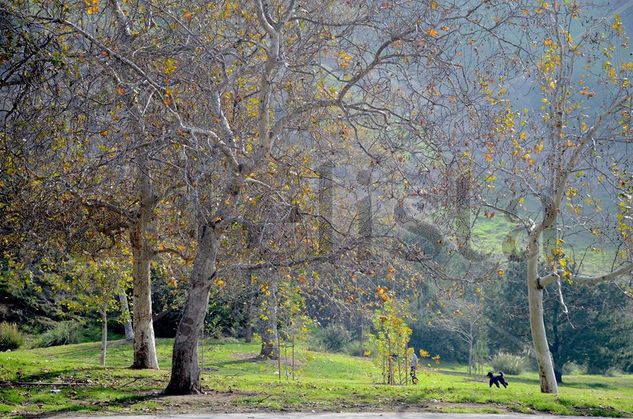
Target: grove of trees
pixel 268 164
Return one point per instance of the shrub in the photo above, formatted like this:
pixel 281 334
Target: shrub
pixel 224 339
pixel 509 363
pixel 334 338
pixel 355 348
pixel 613 372
pixel 574 368
pixel 10 337
pixel 64 333
pixel 314 343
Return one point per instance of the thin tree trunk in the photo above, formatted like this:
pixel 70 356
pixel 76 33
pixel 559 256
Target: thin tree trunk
pixel 185 371
pixel 104 334
pixel 248 330
pixel 293 355
pixel 389 364
pixel 125 311
pixel 537 325
pixel 144 342
pixel 470 356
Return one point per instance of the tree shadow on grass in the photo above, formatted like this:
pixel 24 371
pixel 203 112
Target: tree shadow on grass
pixel 241 361
pixel 212 399
pixel 82 350
pixel 481 378
pixel 590 386
pixel 119 402
pixel 49 375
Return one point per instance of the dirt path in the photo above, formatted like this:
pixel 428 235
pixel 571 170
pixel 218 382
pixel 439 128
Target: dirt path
pixel 372 415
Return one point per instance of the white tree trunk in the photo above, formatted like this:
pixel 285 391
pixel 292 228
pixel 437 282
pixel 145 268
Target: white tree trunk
pixel 125 311
pixel 537 325
pixel 104 335
pixel 142 253
pixel 144 343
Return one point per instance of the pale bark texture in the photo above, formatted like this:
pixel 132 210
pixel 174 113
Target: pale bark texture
pixel 125 311
pixel 144 342
pixel 537 325
pixel 185 373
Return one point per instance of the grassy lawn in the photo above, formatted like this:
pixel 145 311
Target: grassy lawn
pixel 237 382
pixel 489 235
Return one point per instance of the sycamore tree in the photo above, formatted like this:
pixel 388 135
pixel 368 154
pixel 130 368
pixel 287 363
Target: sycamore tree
pixel 277 78
pixel 87 141
pixel 558 164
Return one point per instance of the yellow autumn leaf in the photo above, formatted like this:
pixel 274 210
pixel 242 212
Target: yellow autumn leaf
pixel 92 6
pixel 170 66
pixel 617 25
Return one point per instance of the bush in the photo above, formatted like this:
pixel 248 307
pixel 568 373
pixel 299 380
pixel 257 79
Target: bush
pixel 64 333
pixel 574 368
pixel 509 363
pixel 10 337
pixel 355 348
pixel 334 338
pixel 613 372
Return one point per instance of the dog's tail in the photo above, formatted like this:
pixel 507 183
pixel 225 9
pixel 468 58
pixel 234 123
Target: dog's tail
pixel 501 373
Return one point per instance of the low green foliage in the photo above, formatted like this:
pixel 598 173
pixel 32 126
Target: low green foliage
pixel 64 333
pixel 613 372
pixel 333 337
pixel 10 337
pixel 356 348
pixel 237 381
pixel 573 368
pixel 509 363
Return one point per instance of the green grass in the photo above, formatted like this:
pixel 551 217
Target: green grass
pixel 489 235
pixel 323 382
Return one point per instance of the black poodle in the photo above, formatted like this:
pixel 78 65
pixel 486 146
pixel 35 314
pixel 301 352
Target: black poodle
pixel 496 379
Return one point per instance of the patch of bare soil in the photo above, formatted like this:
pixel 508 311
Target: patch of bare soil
pixel 246 356
pixel 210 401
pixel 424 406
pixel 439 406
